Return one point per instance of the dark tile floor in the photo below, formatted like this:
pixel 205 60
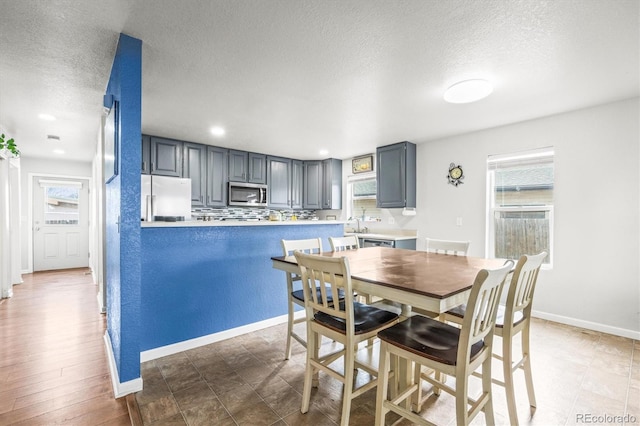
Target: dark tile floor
pixel 245 381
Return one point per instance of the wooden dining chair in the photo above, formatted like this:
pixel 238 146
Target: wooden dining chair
pixel 348 242
pixel 347 322
pixel 457 248
pixel 296 296
pixel 446 247
pixel 445 349
pixel 514 318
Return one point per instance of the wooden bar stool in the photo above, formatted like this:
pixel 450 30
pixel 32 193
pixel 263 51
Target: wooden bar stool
pixel 445 349
pixel 346 322
pixel 514 318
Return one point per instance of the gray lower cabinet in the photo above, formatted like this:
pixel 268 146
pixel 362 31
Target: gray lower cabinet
pixel 279 182
pixel 216 183
pixel 145 167
pixel 297 181
pixel 195 168
pixel 312 193
pixel 396 175
pixel 166 157
pixel 331 184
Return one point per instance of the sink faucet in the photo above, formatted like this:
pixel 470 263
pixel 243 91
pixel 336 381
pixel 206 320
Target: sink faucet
pixel 359 230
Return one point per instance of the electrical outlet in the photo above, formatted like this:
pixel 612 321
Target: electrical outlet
pixel 391 221
pixel 458 221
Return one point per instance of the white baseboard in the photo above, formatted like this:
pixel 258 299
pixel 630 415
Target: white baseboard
pixel 186 345
pixel 119 389
pixel 631 334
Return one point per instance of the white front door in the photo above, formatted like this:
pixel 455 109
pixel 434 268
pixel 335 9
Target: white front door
pixel 60 223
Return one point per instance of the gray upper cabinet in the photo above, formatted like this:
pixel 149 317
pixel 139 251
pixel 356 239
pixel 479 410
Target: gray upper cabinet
pixel 247 167
pixel 166 157
pixel 331 184
pixel 279 181
pixel 195 168
pixel 146 155
pixel 396 175
pixel 296 184
pixel 216 183
pixel 312 193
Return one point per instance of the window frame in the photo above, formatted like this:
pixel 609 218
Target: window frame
pixel 490 240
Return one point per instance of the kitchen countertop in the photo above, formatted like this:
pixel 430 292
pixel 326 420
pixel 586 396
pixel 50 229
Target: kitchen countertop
pixel 386 237
pixel 203 223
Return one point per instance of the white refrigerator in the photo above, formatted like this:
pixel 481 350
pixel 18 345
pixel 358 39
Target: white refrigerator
pixel 165 199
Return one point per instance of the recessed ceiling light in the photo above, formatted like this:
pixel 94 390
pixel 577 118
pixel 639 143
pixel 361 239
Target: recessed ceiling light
pixel 58 151
pixel 46 117
pixel 324 152
pixel 217 131
pixel 468 91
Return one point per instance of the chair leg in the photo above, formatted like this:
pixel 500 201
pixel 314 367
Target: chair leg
pixel 486 390
pixel 507 368
pixel 287 351
pixel 383 384
pixel 349 366
pixel 462 414
pixel 312 351
pixel 528 375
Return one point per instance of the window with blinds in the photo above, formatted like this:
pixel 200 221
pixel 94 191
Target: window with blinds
pixel 361 190
pixel 520 193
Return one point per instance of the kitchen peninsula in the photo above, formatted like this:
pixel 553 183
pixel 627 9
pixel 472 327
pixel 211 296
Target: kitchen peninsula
pixel 205 277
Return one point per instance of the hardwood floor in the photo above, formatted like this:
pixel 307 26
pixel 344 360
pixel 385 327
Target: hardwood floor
pixel 53 366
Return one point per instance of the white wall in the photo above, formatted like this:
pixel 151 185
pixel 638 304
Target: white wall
pixel 46 167
pixel 595 280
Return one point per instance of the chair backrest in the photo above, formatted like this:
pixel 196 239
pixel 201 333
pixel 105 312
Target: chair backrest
pixel 482 307
pixel 458 248
pixel 312 245
pixel 522 287
pixel 349 242
pixel 321 275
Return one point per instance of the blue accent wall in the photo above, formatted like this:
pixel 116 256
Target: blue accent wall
pixel 202 280
pixel 122 215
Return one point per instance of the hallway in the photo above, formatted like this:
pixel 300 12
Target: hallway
pixel 53 366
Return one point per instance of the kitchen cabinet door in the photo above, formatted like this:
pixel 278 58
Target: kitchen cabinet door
pixel 396 175
pixel 247 167
pixel 166 157
pixel 216 177
pixel 195 168
pixel 279 182
pixel 257 168
pixel 297 181
pixel 146 155
pixel 238 165
pixel 312 193
pixel 331 184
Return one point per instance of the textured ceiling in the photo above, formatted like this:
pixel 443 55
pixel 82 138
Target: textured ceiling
pixel 291 77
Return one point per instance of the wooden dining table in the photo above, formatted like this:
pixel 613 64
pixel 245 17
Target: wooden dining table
pixel 431 281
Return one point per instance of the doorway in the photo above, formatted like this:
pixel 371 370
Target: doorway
pixel 60 222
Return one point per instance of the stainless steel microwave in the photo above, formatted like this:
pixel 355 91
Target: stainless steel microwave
pixel 247 194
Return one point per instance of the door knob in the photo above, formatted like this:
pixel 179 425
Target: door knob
pixel 37 228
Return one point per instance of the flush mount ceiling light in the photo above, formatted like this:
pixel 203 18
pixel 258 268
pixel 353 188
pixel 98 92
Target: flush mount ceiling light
pixel 468 91
pixel 46 117
pixel 323 152
pixel 217 131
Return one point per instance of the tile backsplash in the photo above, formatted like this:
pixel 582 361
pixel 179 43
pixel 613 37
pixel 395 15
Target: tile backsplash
pixel 247 213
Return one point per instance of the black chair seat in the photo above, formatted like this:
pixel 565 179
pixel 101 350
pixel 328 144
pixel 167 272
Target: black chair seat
pixel 459 311
pixel 366 318
pixel 428 338
pixel 299 294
